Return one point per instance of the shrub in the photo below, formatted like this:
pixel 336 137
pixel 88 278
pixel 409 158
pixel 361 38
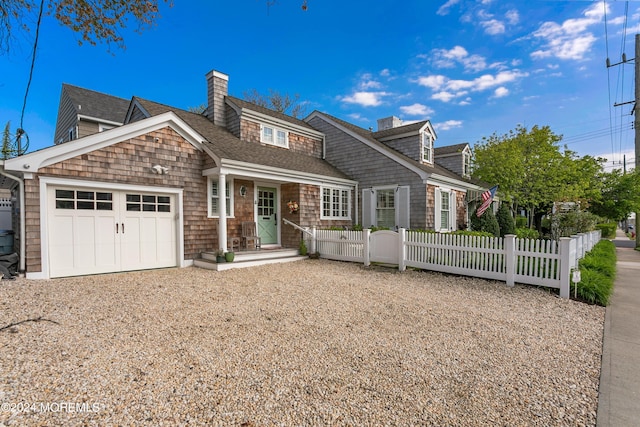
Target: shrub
pixel 608 229
pixel 566 224
pixel 598 272
pixel 521 221
pixel 505 221
pixel 527 233
pixel 487 222
pixel 473 233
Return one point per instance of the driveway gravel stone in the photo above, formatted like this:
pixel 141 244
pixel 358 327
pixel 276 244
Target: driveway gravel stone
pixel 314 342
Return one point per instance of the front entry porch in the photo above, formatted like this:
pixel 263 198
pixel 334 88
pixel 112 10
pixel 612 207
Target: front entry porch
pixel 249 258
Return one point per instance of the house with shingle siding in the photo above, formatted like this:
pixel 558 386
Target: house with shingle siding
pixel 168 185
pixel 401 182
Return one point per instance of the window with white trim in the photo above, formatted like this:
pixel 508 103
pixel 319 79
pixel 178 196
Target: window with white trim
pixel 445 210
pixel 274 136
pixel 427 148
pixel 466 164
pixel 336 203
pixel 386 208
pixel 214 198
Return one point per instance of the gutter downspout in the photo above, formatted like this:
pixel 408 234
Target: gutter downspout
pixel 22 219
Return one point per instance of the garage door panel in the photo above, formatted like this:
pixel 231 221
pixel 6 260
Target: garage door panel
pixel 107 231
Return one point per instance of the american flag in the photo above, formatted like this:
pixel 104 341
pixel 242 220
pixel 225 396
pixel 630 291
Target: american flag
pixel 487 198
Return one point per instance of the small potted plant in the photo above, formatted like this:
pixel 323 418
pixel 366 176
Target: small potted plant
pixel 229 256
pixel 220 256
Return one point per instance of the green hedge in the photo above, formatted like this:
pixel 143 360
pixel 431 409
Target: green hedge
pixel 598 272
pixel 608 229
pixel 527 233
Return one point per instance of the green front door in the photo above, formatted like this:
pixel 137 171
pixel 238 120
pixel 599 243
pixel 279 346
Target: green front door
pixel 267 215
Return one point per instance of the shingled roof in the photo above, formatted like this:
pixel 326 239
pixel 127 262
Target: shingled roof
pixel 450 149
pixel 96 104
pixel 370 136
pixel 225 145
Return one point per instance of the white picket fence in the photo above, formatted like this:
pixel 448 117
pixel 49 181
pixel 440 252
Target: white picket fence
pixel 509 259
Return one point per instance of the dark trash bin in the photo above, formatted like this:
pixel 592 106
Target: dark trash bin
pixel 9 265
pixel 6 242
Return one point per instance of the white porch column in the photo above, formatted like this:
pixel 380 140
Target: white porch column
pixel 222 211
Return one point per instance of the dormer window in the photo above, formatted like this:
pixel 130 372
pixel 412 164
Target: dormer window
pixel 466 164
pixel 274 136
pixel 427 148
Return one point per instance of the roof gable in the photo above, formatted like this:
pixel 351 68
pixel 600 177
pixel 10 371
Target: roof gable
pixel 32 162
pixel 97 105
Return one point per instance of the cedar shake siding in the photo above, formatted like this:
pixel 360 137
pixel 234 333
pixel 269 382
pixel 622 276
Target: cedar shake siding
pixel 371 168
pixel 128 162
pixel 409 146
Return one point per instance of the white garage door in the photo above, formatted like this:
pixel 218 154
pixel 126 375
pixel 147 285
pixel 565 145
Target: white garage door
pixel 103 231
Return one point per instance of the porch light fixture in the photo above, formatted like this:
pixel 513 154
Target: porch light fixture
pixel 243 190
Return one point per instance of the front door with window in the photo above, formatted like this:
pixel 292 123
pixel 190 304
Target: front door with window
pixel 267 215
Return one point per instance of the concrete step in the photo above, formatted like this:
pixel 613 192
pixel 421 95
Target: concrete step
pixel 248 259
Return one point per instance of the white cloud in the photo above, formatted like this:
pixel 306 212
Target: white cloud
pixel 443 58
pixel 367 82
pixel 385 73
pixel 447 89
pixel 513 17
pixel 571 39
pixel 433 82
pixel 449 124
pixel 493 27
pixel 443 96
pixel 417 110
pixel 501 92
pixel 444 9
pixel 365 99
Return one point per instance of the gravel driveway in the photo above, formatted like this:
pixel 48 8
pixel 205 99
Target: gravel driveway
pixel 313 342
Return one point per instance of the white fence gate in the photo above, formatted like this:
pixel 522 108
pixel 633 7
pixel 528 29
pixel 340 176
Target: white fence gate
pixel 509 259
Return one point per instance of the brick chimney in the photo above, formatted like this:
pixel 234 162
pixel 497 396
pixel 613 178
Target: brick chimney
pixel 389 123
pixel 217 89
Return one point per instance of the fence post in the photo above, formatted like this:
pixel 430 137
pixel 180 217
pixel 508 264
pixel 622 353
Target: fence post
pixel 567 262
pixel 402 235
pixel 366 236
pixel 510 258
pixel 313 240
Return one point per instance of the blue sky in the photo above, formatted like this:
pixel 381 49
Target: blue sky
pixel 472 67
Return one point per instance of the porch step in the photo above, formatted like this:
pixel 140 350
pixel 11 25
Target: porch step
pixel 248 259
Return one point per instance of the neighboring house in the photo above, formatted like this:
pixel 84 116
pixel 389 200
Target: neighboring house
pixel 84 112
pixel 168 185
pixel 402 183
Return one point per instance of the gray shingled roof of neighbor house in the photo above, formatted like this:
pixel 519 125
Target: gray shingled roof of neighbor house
pixel 450 149
pixel 96 104
pixel 225 145
pixel 434 169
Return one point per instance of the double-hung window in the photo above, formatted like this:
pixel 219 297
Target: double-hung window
pixel 274 136
pixel 336 203
pixel 427 148
pixel 386 208
pixel 214 199
pixel 466 164
pixel 445 210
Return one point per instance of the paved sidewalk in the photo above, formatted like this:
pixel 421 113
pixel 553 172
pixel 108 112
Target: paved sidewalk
pixel 619 394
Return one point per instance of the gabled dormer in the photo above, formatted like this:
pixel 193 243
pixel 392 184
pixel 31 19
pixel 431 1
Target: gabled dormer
pixel 254 123
pixel 414 140
pixel 456 158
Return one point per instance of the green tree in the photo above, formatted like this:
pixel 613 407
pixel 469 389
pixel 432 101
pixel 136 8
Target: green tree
pixel 532 171
pixel 620 195
pixel 95 21
pixel 282 103
pixel 505 220
pixel 7 148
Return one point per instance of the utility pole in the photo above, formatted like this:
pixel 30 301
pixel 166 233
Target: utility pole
pixel 636 124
